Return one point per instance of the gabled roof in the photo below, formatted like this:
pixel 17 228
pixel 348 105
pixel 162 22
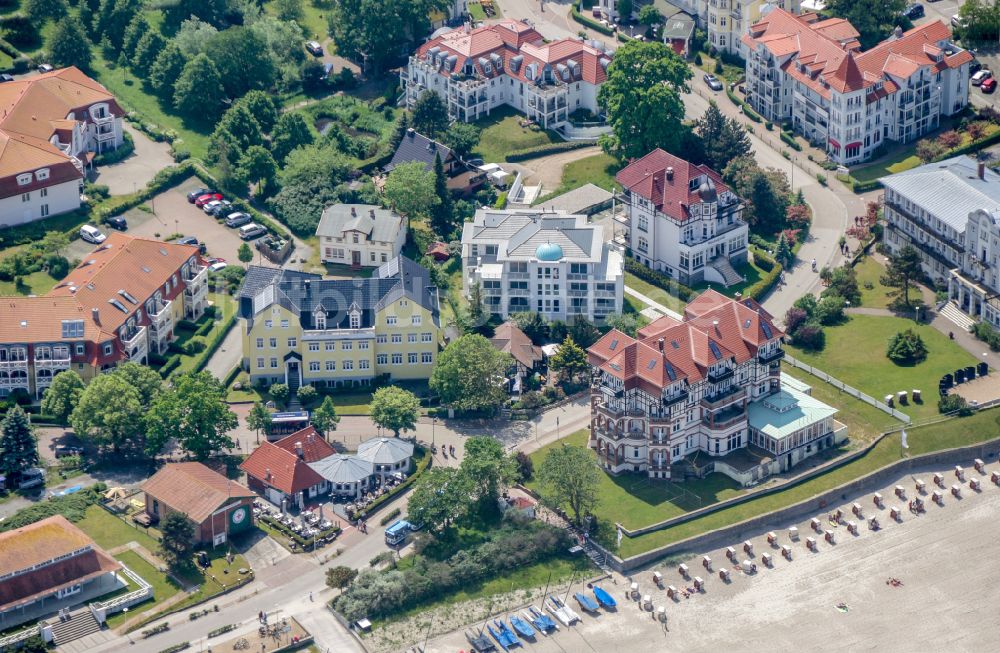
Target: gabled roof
pixel 280 468
pixel 510 339
pixel 379 225
pixel 666 180
pixel 415 147
pixel 193 489
pixel 314 447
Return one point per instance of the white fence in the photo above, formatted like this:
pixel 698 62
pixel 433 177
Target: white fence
pixel 854 392
pixel 10 641
pixel 103 609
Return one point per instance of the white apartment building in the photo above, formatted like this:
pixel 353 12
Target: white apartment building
pixel 811 73
pixel 52 125
pixel 682 220
pixel 950 212
pixel 508 63
pixel 729 20
pixel 554 264
pixel 360 235
pixel 709 384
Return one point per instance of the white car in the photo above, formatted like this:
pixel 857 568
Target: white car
pixel 92 234
pixel 210 206
pixel 981 77
pixel 218 266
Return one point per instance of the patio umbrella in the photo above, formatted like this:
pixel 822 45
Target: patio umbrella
pixel 116 493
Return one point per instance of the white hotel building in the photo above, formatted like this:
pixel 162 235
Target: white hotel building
pixel 508 63
pixel 812 73
pixel 551 263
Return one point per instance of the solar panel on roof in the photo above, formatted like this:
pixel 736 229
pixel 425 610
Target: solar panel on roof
pixel 715 350
pixel 746 325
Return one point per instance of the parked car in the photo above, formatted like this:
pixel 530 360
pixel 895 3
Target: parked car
pixel 914 11
pixel 118 222
pixel 195 194
pixel 63 450
pixel 974 67
pixel 209 207
pixel 314 48
pixel 206 198
pixel 45 68
pixel 6 77
pixel 713 82
pixel 224 207
pixel 218 266
pixel 251 231
pixel 191 240
pixel 989 85
pixel 238 219
pixel 32 477
pixel 956 21
pixel 92 234
pixel 981 77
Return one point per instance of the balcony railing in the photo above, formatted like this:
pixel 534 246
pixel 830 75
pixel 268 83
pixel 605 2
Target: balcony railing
pixel 720 399
pixel 720 375
pixel 770 357
pixel 675 398
pixel 135 339
pixel 725 418
pixel 616 435
pixel 160 313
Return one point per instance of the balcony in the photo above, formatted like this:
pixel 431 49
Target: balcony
pixel 106 119
pixel 135 342
pixel 58 362
pixel 726 417
pixel 771 357
pixel 720 375
pixel 675 399
pixel 724 398
pixel 20 363
pixel 634 435
pixel 160 315
pixel 104 136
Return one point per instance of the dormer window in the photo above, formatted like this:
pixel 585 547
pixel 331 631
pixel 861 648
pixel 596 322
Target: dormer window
pixel 355 317
pixel 320 319
pixel 42 175
pixel 24 180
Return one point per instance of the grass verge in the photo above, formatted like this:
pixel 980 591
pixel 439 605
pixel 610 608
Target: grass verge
pixel 163 587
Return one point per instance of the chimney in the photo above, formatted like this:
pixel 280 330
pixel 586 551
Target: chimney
pixel 410 131
pixel 298 450
pixel 267 473
pixel 670 173
pixel 353 212
pixel 982 170
pixel 96 313
pixel 309 437
pixel 660 342
pixel 715 324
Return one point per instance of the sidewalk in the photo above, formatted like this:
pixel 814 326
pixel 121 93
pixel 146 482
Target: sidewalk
pixel 656 305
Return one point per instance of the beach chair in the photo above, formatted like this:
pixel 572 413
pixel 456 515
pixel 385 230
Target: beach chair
pixel 699 584
pixel 647 602
pixel 724 575
pixel 772 539
pixel 829 537
pixel 765 558
pixel 661 613
pixel 748 547
pixel 682 569
pixel 956 491
pixel 633 590
pixel 816 524
pixel 900 492
pixel 979 465
pixel 877 500
pixel 995 478
pixel 920 486
pixel 939 480
pixel 706 562
pixel 731 553
pixel 793 533
pixel 895 514
pixel 786 551
pixel 959 473
pixel 856 509
pixel 852 527
pixel 658 579
pixel 974 484
pixel 672 592
pixel 938 498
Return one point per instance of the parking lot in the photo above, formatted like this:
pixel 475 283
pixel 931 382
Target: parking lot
pixel 943 10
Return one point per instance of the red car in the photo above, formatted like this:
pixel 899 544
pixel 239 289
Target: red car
pixel 205 199
pixel 989 85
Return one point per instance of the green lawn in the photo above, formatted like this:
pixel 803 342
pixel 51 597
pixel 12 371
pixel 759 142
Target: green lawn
pixel 870 271
pixel 944 435
pixel 599 169
pixel 503 134
pixel 855 354
pixel 750 271
pixel 36 283
pixel 163 586
pixel 225 306
pixel 313 21
pixel 653 292
pixel 902 157
pixel 110 531
pixel 635 501
pixel 864 421
pixel 6 61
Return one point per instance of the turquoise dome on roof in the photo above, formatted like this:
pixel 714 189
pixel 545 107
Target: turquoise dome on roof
pixel 549 252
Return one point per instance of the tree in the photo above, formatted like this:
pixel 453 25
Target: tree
pixel 569 477
pixel 410 189
pixel 906 348
pixel 167 69
pixel 113 18
pixel 259 419
pixel 244 253
pixel 395 408
pixel 198 90
pixel 477 308
pixel 41 11
pixel 146 51
pixel 136 29
pixel 627 323
pixel 794 318
pixel 399 131
pixel 375 31
pixel 980 21
pixel 177 540
pixel 570 361
pixel 109 413
pixel 54 242
pixel 195 413
pixel 279 392
pixel 583 331
pixel 145 380
pixel 307 393
pixel 782 251
pixel 440 496
pixel 262 107
pixel 68 45
pixel 430 115
pixel 442 213
pixel 462 138
pixel 625 8
pixel 642 99
pixel 844 282
pixel 532 325
pixel 724 139
pixel 904 269
pixel 237 53
pixel 325 417
pixel 873 19
pixel 238 130
pixel 18 446
pixel 954 404
pixel 258 167
pixel 340 577
pixel 488 466
pixel 525 467
pixel 288 9
pixel 290 132
pixel 769 204
pixel 649 15
pixel 61 398
pixel 469 374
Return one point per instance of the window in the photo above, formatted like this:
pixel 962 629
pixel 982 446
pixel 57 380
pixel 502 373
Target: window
pixel 321 320
pixel 72 328
pixel 347 345
pixel 381 359
pixel 348 365
pixel 43 192
pixel 260 343
pixel 415 320
pixel 273 343
pixel 313 346
pixel 397 338
pixel 314 366
pixel 363 364
pixel 26 197
pixel 381 339
pixel 274 362
pixel 426 337
pixel 24 180
pixel 426 357
pixel 284 324
pixel 80 349
pixel 268 324
pixel 363 344
pixel 397 359
pixel 260 363
pixel 331 366
pixel 411 337
pixel 292 343
pixel 108 349
pixel 355 238
pixel 390 320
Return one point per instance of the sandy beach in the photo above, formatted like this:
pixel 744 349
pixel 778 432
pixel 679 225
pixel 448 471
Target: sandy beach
pixel 945 558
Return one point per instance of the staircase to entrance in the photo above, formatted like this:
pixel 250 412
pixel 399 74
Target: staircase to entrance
pixel 953 313
pixel 81 623
pixel 729 274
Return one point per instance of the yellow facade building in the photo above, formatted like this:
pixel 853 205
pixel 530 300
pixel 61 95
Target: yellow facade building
pixel 303 329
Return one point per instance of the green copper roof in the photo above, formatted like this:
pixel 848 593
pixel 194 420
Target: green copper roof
pixel 782 414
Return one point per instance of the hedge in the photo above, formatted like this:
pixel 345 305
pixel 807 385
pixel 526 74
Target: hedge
pixel 542 150
pixel 172 364
pixel 766 283
pixel 272 225
pixel 589 22
pixel 789 140
pixel 122 152
pixel 164 179
pixel 221 630
pixel 176 647
pixel 389 516
pixel 289 533
pixel 971 147
pixel 422 465
pixel 201 359
pixel 658 279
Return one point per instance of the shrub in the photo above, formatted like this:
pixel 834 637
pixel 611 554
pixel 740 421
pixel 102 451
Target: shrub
pixel 697 59
pixel 220 631
pixel 525 467
pixel 987 334
pixel 809 336
pixel 279 391
pixel 821 178
pixel 906 348
pixel 307 393
pixel 954 404
pixel 543 150
pixel 718 69
pixel 122 152
pixel 790 141
pixel 658 279
pixel 390 516
pixel 155 630
pixel 72 507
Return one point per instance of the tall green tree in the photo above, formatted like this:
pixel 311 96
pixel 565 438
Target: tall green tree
pixel 533 326
pixel 198 91
pixel 374 32
pixel 257 166
pixel 145 380
pixel 146 51
pixel 583 331
pixel 68 44
pixel 195 413
pixel 61 398
pixel 649 15
pixel 469 374
pixel 290 132
pixel 410 189
pixel 325 417
pixel 904 269
pixel 399 131
pixel 259 419
pixel 642 98
pixel 177 541
pixel 782 251
pixel 109 414
pixel 569 478
pixel 873 19
pixel 570 362
pixel 244 253
pixel 113 18
pixel 439 498
pixel 488 466
pixel 443 213
pixel 138 27
pixel 395 408
pixel 237 53
pixel 210 11
pixel 262 107
pixel 40 12
pixel 625 9
pixel 340 576
pixel 980 21
pixel 430 115
pixel 724 138
pixel 18 445
pixel 477 306
pixel 462 138
pixel 167 69
pixel 289 9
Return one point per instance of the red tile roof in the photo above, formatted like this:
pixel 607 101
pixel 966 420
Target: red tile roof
pixel 715 328
pixel 671 195
pixel 277 464
pixel 193 489
pixel 510 339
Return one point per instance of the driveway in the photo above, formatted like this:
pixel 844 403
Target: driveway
pixel 548 170
pixel 137 170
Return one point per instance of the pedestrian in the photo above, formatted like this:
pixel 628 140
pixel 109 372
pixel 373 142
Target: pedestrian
pixel 310 596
